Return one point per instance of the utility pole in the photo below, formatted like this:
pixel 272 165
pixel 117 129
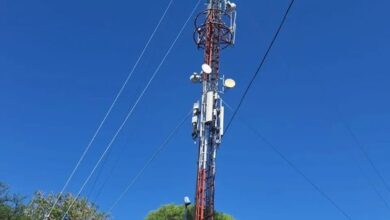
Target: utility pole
pixel 215 30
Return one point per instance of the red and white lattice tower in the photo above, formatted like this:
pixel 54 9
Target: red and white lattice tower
pixel 215 30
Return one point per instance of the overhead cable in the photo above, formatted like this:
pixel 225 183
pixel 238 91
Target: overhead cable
pixel 110 108
pixel 260 65
pixel 133 107
pixel 366 155
pixel 235 111
pixel 294 167
pixel 149 161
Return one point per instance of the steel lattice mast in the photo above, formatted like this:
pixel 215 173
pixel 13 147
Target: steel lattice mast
pixel 215 30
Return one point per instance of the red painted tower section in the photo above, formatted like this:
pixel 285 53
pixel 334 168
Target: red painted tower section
pixel 215 28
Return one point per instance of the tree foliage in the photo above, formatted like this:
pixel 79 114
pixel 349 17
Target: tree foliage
pixel 12 207
pixel 176 212
pixel 40 205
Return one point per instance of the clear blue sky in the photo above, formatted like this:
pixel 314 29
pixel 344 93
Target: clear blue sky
pixel 62 62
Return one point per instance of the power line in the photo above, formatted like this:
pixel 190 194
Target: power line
pixel 102 168
pixel 373 186
pixel 361 148
pixel 134 106
pixel 293 166
pixel 99 173
pixel 110 172
pixel 300 172
pixel 111 107
pixel 281 155
pixel 366 155
pixel 151 159
pixel 261 64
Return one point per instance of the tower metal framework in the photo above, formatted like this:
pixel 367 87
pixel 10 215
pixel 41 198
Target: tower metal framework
pixel 215 30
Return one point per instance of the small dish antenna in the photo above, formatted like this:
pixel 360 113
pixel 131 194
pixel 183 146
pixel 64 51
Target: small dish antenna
pixel 229 83
pixel 195 78
pixel 206 68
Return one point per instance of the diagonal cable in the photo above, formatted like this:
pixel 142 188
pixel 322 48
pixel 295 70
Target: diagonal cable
pixel 261 64
pixel 133 107
pixel 110 108
pixel 294 167
pixel 300 172
pixel 281 155
pixel 373 185
pixel 110 172
pixel 149 161
pixel 366 155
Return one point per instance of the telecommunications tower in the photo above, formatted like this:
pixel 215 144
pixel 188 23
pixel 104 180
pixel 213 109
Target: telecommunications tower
pixel 215 30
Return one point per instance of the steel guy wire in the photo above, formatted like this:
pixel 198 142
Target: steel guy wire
pixel 150 160
pixel 294 167
pixel 366 155
pixel 111 107
pixel 110 172
pixel 134 106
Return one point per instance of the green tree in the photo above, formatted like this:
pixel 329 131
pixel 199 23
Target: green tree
pixel 40 205
pixel 176 212
pixel 11 206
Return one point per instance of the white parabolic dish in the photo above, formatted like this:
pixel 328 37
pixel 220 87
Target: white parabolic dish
pixel 206 68
pixel 230 83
